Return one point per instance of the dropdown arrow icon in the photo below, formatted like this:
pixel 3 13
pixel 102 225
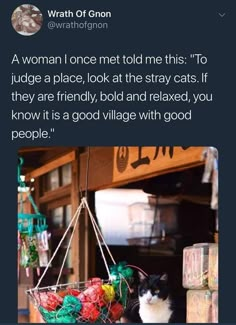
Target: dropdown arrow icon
pixel 222 14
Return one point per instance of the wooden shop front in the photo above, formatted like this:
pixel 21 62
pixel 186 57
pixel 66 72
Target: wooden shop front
pixel 63 175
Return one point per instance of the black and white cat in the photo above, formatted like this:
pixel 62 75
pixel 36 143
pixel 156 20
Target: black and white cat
pixel 154 303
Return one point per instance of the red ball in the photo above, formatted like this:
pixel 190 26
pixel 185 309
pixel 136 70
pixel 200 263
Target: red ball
pixel 89 312
pixel 82 297
pixel 63 293
pixel 49 300
pixel 116 310
pixel 94 294
pixel 73 292
pixel 93 281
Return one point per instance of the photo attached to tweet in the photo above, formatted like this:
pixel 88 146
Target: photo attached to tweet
pixel 117 234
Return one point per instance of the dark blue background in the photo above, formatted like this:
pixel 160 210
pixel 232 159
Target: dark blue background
pixel 148 27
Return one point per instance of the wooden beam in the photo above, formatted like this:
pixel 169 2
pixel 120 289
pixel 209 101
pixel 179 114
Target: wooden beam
pixel 100 168
pixel 57 194
pixel 137 163
pixel 53 202
pixel 63 160
pixel 55 153
pixel 103 171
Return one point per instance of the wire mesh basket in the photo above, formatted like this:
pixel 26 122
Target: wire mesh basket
pixel 93 301
pixel 84 302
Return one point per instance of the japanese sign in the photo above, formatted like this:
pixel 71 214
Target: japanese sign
pixel 138 162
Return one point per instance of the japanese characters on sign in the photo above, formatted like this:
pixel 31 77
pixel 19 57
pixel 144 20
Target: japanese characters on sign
pixel 135 162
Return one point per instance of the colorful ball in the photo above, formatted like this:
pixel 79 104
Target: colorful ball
pixel 89 312
pixel 94 294
pixel 92 281
pixel 109 292
pixel 63 293
pixel 50 301
pixel 73 292
pixel 116 310
pixel 72 304
pixel 65 320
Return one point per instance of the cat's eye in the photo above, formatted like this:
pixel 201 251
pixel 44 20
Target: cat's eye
pixel 157 291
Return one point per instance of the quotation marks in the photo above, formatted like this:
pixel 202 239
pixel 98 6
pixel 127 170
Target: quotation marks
pixel 52 131
pixel 199 58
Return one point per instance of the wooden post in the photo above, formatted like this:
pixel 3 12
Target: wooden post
pixel 74 205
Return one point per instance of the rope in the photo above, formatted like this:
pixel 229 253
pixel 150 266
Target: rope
pixel 98 240
pixel 58 246
pixel 94 224
pixel 103 240
pixel 122 277
pixel 99 231
pixel 138 268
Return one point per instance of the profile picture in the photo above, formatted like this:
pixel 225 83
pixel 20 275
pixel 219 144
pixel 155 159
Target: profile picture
pixel 27 19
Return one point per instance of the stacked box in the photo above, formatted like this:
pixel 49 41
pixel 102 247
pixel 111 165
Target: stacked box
pixel 195 266
pixel 200 275
pixel 213 267
pixel 215 307
pixel 199 306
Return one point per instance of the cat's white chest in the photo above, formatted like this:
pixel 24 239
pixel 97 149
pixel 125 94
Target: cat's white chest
pixel 159 312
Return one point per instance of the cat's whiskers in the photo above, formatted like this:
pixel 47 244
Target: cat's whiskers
pixel 134 305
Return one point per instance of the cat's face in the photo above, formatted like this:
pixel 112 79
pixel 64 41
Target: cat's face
pixel 153 289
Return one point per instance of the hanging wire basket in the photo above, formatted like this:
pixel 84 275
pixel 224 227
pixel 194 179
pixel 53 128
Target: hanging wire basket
pixel 88 302
pixel 93 301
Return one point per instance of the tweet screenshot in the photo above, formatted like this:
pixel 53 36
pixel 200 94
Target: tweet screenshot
pixel 117 161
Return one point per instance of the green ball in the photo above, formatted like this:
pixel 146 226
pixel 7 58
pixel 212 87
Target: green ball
pixel 71 304
pixel 65 319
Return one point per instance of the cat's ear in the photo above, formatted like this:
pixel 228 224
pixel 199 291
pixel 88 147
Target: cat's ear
pixel 141 276
pixel 164 277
